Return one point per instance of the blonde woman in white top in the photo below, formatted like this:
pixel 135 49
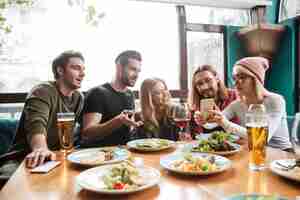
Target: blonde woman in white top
pixel 249 76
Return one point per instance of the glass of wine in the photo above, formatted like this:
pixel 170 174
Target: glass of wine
pixel 181 116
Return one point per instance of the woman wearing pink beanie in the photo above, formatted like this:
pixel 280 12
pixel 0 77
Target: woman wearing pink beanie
pixel 249 76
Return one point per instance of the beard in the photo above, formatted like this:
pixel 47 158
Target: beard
pixel 73 86
pixel 127 80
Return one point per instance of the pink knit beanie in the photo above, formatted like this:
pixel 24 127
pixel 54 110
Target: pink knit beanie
pixel 256 66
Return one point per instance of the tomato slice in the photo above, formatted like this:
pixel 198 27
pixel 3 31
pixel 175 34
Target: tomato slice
pixel 118 186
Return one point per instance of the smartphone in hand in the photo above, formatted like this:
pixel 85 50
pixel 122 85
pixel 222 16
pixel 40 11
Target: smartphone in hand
pixel 205 106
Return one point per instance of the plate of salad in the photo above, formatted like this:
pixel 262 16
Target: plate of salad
pixel 150 144
pixel 195 163
pixel 122 178
pixel 217 143
pixel 221 135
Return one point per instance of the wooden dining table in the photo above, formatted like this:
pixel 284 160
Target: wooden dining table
pixel 60 183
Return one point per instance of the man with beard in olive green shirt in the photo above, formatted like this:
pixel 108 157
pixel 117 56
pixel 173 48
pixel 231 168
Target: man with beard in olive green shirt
pixel 37 128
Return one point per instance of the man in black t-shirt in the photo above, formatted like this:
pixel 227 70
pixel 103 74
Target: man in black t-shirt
pixel 104 121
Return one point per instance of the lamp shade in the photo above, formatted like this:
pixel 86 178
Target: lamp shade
pixel 261 39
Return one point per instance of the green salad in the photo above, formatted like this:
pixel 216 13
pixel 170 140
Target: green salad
pixel 222 136
pixel 153 143
pixel 123 177
pixel 218 141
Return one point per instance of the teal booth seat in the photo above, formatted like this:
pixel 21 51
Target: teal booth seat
pixel 8 128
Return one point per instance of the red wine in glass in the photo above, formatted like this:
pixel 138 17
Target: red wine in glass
pixel 182 122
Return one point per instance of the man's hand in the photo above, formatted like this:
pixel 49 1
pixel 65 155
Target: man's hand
pixel 39 156
pixel 128 119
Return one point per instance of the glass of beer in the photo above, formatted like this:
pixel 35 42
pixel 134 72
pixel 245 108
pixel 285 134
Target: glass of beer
pixel 65 126
pixel 257 130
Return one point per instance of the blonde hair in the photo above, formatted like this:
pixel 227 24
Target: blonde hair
pixel 195 97
pixel 148 111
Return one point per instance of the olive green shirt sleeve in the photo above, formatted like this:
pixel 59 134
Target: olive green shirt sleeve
pixel 37 110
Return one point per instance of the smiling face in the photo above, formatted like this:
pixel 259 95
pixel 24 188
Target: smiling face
pixel 244 82
pixel 206 84
pixel 160 95
pixel 73 73
pixel 131 72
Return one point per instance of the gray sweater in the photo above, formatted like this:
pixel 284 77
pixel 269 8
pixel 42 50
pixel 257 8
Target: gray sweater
pixel 275 108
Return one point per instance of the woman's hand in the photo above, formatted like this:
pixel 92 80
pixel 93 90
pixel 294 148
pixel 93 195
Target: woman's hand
pixel 216 116
pixel 199 118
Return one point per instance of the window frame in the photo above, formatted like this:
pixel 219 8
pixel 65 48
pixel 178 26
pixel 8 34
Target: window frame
pixel 210 28
pixel 183 28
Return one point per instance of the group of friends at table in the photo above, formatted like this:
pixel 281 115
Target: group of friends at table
pixel 103 121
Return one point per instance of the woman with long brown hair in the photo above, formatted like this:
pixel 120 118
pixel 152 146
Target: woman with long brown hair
pixel 156 109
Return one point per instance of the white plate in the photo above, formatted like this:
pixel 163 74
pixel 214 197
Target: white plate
pixel 210 125
pixel 293 174
pixel 221 162
pixel 79 157
pixel 91 179
pixel 134 144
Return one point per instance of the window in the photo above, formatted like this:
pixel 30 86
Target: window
pixel 205 40
pixel 52 26
pixel 289 9
pixel 218 16
pixel 205 48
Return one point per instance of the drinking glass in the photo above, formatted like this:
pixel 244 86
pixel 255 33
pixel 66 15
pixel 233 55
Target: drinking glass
pixel 295 135
pixel 65 126
pixel 181 116
pixel 257 130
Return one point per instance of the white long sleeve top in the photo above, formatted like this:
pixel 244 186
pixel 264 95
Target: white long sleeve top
pixel 275 108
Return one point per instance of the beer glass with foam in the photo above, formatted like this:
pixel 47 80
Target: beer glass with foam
pixel 65 126
pixel 257 130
